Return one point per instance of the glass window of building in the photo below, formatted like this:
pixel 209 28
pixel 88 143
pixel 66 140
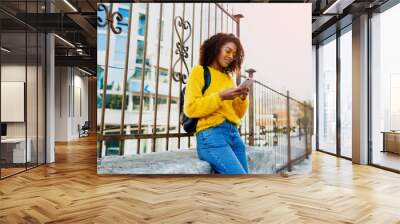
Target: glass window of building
pixel 120 52
pixel 125 16
pixel 346 93
pixel 142 24
pixel 22 88
pixel 139 51
pixel 385 88
pixel 138 74
pixel 163 75
pixel 327 95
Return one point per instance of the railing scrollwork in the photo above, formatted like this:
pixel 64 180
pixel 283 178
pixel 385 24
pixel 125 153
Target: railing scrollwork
pixel 180 25
pixel 109 18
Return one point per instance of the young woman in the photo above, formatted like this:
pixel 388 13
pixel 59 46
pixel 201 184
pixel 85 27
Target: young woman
pixel 221 107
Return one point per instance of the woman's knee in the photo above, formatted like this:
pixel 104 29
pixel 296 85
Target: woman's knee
pixel 229 169
pixel 227 163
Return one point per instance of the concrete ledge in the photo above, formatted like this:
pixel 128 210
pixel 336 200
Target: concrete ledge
pixel 261 160
pixel 172 162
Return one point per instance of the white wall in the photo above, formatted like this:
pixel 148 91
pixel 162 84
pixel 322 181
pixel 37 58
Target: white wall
pixel 16 73
pixel 278 45
pixel 33 126
pixel 71 96
pixel 80 102
pixel 61 103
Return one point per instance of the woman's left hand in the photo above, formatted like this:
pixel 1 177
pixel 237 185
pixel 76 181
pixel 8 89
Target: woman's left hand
pixel 245 92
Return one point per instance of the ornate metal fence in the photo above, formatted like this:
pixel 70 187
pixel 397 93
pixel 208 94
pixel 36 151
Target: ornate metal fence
pixel 144 55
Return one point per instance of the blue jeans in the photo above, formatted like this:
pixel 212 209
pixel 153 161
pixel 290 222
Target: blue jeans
pixel 223 148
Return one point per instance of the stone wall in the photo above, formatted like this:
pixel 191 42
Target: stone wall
pixel 261 160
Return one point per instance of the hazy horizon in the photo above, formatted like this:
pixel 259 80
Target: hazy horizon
pixel 278 45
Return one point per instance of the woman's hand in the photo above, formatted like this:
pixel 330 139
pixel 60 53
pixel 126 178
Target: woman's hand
pixel 230 94
pixel 244 93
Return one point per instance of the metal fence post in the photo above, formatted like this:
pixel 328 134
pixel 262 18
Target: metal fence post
pixel 238 75
pixel 251 108
pixel 289 153
pixel 124 84
pixel 237 20
pixel 109 25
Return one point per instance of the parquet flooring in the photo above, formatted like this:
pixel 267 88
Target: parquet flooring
pixel 387 159
pixel 70 191
pixel 10 171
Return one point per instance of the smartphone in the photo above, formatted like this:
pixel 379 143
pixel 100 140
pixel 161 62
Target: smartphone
pixel 246 84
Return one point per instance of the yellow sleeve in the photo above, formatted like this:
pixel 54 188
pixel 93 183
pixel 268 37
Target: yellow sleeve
pixel 196 105
pixel 240 106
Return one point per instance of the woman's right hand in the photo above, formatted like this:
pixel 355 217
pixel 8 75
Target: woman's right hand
pixel 230 94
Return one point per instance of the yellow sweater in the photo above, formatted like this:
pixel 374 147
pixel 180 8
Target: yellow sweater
pixel 210 108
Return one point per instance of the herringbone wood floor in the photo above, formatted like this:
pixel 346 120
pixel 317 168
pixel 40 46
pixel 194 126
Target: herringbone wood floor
pixel 70 191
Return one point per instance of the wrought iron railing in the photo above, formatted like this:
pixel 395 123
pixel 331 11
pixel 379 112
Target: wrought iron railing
pixel 278 122
pixel 138 99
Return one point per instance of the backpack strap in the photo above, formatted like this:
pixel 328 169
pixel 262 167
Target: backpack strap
pixel 207 79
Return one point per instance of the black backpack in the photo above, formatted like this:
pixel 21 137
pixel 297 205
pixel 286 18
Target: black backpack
pixel 189 124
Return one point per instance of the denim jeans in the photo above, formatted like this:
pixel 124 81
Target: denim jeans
pixel 223 148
